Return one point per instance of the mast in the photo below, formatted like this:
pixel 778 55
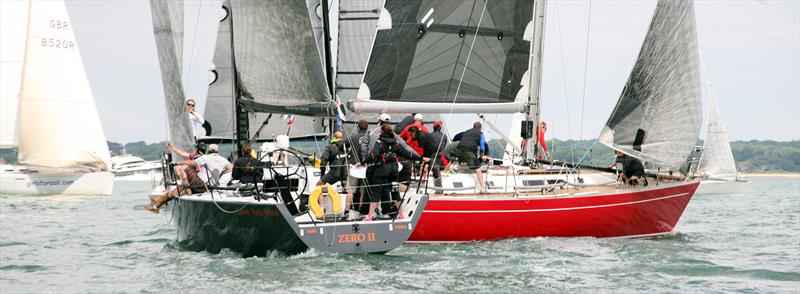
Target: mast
pixel 537 50
pixel 242 126
pixel 328 62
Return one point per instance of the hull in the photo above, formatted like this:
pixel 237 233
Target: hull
pixel 717 187
pixel 639 213
pixel 21 181
pixel 256 228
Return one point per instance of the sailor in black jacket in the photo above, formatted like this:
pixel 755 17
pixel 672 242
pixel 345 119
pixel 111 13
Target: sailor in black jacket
pixel 384 157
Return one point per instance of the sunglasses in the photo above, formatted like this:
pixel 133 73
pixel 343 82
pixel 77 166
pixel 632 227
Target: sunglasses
pixel 192 105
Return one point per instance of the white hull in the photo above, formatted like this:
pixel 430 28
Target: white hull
pixel 718 187
pixel 152 175
pixel 17 182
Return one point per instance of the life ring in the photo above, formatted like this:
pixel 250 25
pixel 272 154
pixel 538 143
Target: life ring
pixel 313 200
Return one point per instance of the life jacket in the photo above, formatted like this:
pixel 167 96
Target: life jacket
pixel 388 150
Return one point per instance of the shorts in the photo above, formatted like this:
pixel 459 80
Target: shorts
pixel 353 183
pixel 405 173
pixel 468 157
pixel 195 182
pixel 330 178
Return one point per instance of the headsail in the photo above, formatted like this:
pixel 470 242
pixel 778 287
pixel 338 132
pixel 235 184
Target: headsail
pixel 717 158
pixel 220 105
pixel 277 58
pixel 423 46
pixel 169 59
pixel 657 117
pixel 58 121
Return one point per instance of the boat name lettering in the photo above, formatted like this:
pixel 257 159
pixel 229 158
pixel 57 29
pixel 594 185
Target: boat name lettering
pixel 55 43
pixel 43 183
pixel 401 227
pixel 59 24
pixel 259 212
pixel 356 237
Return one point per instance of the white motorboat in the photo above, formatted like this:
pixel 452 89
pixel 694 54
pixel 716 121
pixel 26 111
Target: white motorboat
pixel 128 167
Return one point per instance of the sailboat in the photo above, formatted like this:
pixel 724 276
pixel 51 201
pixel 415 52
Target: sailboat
pixel 59 152
pixel 268 62
pixel 485 56
pixel 717 167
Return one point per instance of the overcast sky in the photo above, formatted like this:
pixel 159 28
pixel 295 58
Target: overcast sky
pixel 751 50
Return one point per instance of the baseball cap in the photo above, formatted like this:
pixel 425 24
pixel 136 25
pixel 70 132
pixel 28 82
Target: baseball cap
pixel 437 123
pixel 384 117
pixel 418 116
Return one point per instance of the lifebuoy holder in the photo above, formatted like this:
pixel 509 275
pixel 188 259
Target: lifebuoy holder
pixel 313 200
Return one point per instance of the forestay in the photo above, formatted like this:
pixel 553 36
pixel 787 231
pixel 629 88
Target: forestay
pixel 422 47
pixel 657 117
pixel 277 58
pixel 168 42
pixel 717 158
pixel 59 125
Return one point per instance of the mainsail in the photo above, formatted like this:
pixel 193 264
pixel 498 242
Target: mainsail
pixel 717 158
pixel 59 125
pixel 421 50
pixel 221 102
pixel 658 115
pixel 277 58
pixel 12 36
pixel 169 41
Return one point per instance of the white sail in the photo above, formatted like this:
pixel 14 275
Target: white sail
pixel 657 117
pixel 169 39
pixel 58 121
pixel 12 54
pixel 717 159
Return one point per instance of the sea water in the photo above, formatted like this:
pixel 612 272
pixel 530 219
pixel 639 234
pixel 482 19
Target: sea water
pixel 66 244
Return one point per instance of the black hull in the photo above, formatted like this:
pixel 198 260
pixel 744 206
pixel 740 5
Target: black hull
pixel 256 230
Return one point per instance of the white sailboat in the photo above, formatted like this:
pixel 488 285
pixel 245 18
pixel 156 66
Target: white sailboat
pixel 717 167
pixel 59 152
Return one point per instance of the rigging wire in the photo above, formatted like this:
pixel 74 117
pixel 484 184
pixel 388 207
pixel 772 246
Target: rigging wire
pixel 585 67
pixel 564 82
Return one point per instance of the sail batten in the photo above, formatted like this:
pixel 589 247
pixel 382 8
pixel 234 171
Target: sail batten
pixel 447 52
pixel 55 90
pixel 657 117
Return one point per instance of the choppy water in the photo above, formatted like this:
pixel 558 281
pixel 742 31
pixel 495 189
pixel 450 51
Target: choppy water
pixel 109 244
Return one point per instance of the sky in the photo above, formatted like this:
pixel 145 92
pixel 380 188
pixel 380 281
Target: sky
pixel 750 49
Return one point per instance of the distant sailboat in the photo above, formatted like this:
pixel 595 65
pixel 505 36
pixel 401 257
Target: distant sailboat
pixel 717 166
pixel 62 148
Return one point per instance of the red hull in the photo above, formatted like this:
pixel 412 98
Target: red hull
pixel 649 212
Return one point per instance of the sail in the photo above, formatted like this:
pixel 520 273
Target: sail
pixel 418 59
pixel 12 35
pixel 277 58
pixel 657 117
pixel 180 129
pixel 59 125
pixel 220 104
pixel 717 158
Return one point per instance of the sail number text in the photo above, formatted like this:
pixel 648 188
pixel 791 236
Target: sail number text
pixel 56 42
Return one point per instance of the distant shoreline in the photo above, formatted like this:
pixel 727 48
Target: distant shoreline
pixel 771 175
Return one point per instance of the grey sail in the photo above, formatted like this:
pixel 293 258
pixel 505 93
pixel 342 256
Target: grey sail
pixel 418 59
pixel 357 26
pixel 180 130
pixel 717 158
pixel 220 104
pixel 277 58
pixel 657 117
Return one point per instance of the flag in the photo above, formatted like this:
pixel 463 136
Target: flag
pixel 289 118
